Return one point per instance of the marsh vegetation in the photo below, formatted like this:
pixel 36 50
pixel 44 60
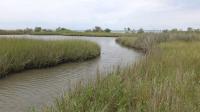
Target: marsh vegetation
pixel 21 54
pixel 166 79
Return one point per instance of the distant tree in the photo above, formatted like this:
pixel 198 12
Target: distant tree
pixel 128 29
pixel 174 30
pixel 165 31
pixel 140 30
pixel 18 31
pixel 97 29
pixel 44 30
pixel 180 30
pixel 62 29
pixel 28 30
pixel 58 29
pixel 49 30
pixel 190 29
pixel 38 29
pixel 197 30
pixel 133 31
pixel 107 30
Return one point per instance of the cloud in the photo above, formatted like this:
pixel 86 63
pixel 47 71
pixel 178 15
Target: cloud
pixel 82 14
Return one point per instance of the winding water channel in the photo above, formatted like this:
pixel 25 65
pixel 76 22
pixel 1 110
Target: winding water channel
pixel 20 91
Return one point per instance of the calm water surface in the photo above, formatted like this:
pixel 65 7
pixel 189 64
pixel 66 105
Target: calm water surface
pixel 19 92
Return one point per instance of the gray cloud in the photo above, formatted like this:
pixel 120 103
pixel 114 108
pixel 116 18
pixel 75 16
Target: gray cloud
pixel 116 14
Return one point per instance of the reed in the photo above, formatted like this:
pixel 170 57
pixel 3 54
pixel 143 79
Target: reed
pixel 20 54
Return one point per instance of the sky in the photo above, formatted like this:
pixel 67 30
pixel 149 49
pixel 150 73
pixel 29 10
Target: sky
pixel 114 14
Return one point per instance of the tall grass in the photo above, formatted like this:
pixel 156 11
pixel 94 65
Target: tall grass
pixel 147 41
pixel 166 80
pixel 20 54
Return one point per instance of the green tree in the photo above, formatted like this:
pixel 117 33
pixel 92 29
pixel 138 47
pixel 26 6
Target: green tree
pixel 140 30
pixel 165 31
pixel 28 30
pixel 97 29
pixel 38 29
pixel 174 30
pixel 129 29
pixel 133 31
pixel 62 29
pixel 197 30
pixel 190 29
pixel 107 30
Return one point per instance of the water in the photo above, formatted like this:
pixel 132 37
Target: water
pixel 36 88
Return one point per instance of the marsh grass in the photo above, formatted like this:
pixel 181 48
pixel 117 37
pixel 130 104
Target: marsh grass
pixel 147 41
pixel 165 80
pixel 20 54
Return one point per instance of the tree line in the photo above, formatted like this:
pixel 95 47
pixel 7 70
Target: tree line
pixel 40 29
pixel 141 30
pixel 95 29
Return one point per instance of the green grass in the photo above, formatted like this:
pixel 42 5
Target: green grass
pixel 165 80
pixel 147 41
pixel 20 54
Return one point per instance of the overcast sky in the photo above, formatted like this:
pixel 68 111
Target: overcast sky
pixel 115 14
